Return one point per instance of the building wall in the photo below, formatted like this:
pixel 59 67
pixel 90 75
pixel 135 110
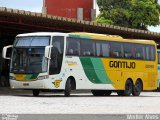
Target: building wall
pixel 68 8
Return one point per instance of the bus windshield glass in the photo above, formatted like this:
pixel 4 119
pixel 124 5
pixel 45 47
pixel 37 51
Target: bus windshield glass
pixel 28 55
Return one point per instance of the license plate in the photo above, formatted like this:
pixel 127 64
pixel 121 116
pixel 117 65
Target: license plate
pixel 25 84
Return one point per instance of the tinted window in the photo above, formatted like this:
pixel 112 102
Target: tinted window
pixel 129 50
pixel 152 48
pixel 98 49
pixel 139 51
pixel 105 49
pixel 150 52
pixel 73 46
pixel 147 47
pixel 56 55
pixel 116 49
pixel 87 47
pixel 144 52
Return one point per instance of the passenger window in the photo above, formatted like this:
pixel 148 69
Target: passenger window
pixel 116 49
pixel 87 47
pixel 152 52
pixel 139 54
pixel 147 48
pixel 73 46
pixel 98 49
pixel 144 53
pixel 129 50
pixel 105 49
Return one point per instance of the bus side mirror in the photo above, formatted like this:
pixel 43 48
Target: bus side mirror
pixel 4 53
pixel 47 50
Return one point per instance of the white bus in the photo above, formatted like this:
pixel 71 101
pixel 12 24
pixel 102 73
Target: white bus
pixel 82 61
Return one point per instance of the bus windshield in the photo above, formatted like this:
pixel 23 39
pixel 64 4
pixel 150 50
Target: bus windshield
pixel 28 55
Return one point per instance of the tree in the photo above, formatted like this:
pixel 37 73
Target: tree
pixel 129 13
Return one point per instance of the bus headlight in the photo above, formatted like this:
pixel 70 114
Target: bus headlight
pixel 43 77
pixel 12 77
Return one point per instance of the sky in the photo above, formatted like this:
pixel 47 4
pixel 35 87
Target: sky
pixel 36 6
pixel 30 5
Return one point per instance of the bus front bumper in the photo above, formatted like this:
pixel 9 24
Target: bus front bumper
pixel 38 84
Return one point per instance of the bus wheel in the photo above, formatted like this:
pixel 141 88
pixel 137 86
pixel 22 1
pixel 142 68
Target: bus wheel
pixel 35 92
pixel 128 89
pixel 68 88
pixel 98 92
pixel 137 88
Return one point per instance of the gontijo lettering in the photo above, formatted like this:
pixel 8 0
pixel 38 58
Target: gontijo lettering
pixel 122 64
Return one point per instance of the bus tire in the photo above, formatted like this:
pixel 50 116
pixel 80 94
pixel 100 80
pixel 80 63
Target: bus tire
pixel 68 88
pixel 35 92
pixel 98 92
pixel 128 89
pixel 137 88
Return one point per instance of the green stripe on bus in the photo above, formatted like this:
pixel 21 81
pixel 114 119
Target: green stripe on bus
pixel 94 70
pixel 28 76
pixel 31 76
pixel 34 76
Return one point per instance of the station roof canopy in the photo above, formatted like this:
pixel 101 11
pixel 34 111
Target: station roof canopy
pixel 13 22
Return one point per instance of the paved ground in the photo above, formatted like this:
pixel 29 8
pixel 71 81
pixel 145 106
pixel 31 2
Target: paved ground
pixel 147 103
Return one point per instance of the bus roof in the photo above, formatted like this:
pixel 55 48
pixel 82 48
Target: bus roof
pixel 89 36
pixel 109 37
pixel 42 34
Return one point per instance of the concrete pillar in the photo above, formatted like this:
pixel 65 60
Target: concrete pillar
pixel 44 8
pixel 79 13
pixel 93 14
